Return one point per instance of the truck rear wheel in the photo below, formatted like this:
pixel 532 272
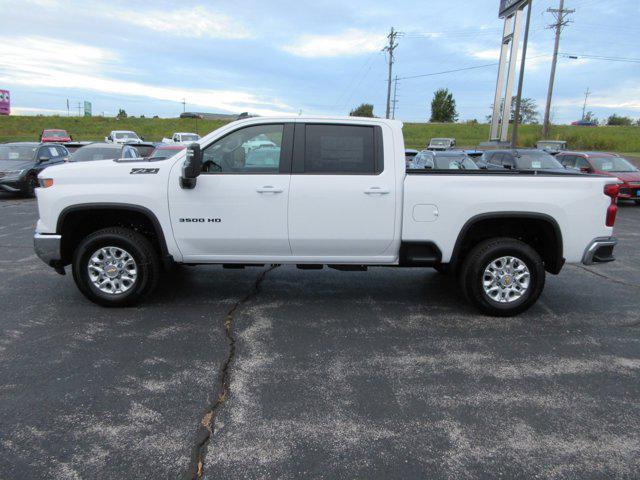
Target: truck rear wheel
pixel 502 277
pixel 115 267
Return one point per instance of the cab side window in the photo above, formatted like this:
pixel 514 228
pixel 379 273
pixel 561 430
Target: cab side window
pixel 340 149
pixel 568 161
pixel 256 149
pixel 582 164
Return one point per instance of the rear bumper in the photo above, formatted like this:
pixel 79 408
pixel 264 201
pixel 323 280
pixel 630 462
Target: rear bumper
pixel 600 250
pixel 47 247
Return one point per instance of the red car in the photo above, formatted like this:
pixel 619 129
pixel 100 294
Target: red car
pixel 54 135
pixel 166 151
pixel 606 164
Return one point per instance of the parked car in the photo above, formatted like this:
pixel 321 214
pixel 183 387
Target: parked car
pixel 54 136
pixel 182 137
pixel 409 155
pixel 521 159
pixel 446 160
pixel 552 146
pixel 584 123
pixel 166 151
pixel 609 164
pixel 74 146
pixel 436 144
pixel 333 197
pixel 123 136
pixel 144 149
pixel 104 151
pixel 20 163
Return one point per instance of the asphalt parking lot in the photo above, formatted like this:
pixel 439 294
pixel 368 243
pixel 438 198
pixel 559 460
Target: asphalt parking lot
pixel 380 374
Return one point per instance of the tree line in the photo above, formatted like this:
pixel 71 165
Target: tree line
pixel 443 110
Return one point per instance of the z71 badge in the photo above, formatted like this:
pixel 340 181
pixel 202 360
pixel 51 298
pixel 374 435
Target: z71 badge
pixel 144 171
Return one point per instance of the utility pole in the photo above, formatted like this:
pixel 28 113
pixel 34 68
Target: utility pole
pixel 79 109
pixel 390 49
pixel 395 92
pixel 516 117
pixel 584 106
pixel 68 113
pixel 184 105
pixel 559 14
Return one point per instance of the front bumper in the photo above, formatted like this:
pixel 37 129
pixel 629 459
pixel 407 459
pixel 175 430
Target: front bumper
pixel 600 250
pixel 11 184
pixel 47 247
pixel 629 192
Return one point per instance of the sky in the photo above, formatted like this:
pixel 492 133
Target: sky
pixel 317 58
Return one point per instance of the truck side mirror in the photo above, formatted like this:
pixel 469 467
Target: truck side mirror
pixel 192 166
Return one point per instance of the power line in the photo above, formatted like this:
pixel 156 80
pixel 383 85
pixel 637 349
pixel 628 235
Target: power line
pixel 449 71
pixel 576 56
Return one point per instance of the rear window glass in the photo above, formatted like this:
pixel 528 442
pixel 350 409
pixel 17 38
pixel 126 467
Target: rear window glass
pixel 88 154
pixel 339 149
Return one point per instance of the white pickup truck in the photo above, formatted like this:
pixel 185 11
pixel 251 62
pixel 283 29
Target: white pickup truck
pixel 182 138
pixel 328 192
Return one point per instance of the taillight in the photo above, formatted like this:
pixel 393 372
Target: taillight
pixel 611 190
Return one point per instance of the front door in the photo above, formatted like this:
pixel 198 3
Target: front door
pixel 238 208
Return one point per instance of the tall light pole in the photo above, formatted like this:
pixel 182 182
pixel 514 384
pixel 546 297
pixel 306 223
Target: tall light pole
pixel 560 22
pixel 584 106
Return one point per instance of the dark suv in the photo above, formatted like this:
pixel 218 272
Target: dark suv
pixel 521 159
pixel 21 162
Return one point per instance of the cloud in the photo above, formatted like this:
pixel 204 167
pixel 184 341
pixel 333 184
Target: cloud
pixel 187 22
pixel 622 98
pixel 348 43
pixel 26 61
pixel 535 57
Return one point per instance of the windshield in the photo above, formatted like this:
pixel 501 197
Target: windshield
pixel 88 154
pixel 165 152
pixel 536 160
pixel 440 142
pixel 123 135
pixel 455 162
pixel 55 135
pixel 612 164
pixel 550 144
pixel 190 137
pixel 16 152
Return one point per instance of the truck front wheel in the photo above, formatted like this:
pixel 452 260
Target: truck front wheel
pixel 115 267
pixel 502 276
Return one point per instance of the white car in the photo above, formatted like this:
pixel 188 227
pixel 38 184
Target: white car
pixel 326 192
pixel 184 138
pixel 123 136
pixel 441 144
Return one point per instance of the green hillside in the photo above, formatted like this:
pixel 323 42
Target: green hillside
pixel 417 135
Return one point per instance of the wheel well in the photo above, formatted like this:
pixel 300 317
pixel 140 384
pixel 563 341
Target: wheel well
pixel 76 223
pixel 538 231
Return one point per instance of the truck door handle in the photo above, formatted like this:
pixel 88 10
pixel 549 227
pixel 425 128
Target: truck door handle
pixel 377 191
pixel 268 189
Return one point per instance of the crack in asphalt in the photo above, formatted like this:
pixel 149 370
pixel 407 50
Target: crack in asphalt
pixel 207 424
pixel 602 275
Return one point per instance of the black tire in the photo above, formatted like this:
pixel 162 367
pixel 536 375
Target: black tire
pixel 481 256
pixel 139 247
pixel 31 183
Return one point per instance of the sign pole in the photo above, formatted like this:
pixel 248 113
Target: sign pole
pixel 516 117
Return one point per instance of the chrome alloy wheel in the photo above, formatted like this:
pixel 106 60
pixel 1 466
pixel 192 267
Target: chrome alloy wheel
pixel 506 279
pixel 112 270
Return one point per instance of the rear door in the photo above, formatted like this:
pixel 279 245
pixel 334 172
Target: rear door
pixel 343 193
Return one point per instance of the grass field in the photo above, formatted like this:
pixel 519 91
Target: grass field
pixel 417 135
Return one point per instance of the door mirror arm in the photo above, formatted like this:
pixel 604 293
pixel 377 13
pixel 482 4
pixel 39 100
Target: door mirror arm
pixel 192 167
